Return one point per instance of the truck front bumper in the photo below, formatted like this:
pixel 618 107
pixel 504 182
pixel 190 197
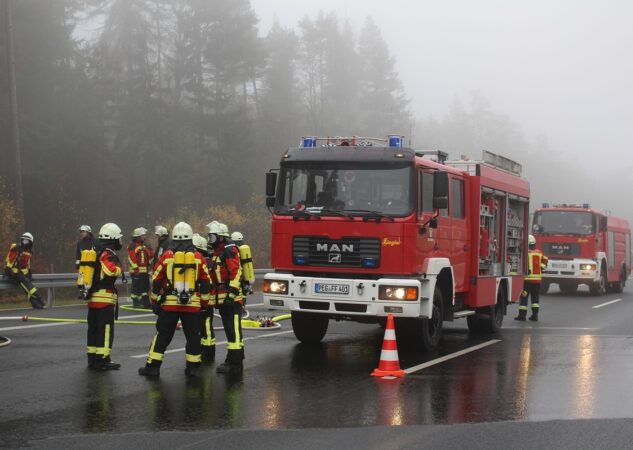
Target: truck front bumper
pixel 581 270
pixel 347 297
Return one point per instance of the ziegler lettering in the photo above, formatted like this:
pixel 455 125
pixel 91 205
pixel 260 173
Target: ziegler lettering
pixel 343 248
pixel 386 242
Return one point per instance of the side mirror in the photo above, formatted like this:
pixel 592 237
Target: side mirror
pixel 271 184
pixel 440 190
pixel 603 223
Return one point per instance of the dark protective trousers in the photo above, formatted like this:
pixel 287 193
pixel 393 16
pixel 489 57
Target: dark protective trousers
pixel 531 290
pixel 100 331
pixel 165 329
pixel 140 289
pixel 23 281
pixel 207 335
pixel 231 313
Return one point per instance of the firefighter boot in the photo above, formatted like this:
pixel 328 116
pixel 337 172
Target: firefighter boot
pixel 534 316
pixel 521 316
pixel 91 360
pixel 135 301
pixel 145 303
pixel 36 301
pixel 208 353
pixel 233 364
pixel 151 369
pixel 105 364
pixel 191 370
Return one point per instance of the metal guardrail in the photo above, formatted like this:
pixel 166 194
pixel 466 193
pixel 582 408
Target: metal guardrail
pixel 51 281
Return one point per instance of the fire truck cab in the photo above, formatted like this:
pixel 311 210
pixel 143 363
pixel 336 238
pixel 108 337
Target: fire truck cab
pixel 584 246
pixel 363 228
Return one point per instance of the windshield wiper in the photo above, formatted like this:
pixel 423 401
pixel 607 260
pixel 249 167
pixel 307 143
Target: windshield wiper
pixel 369 214
pixel 334 212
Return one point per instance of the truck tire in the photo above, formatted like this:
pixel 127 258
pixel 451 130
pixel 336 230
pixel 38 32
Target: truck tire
pixel 618 286
pixel 309 328
pixel 600 286
pixel 488 319
pixel 431 329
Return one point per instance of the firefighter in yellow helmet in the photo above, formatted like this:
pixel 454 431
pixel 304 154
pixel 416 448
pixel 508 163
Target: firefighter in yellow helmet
pixel 225 271
pixel 102 299
pixel 139 263
pixel 180 287
pixel 18 268
pixel 207 336
pixel 537 262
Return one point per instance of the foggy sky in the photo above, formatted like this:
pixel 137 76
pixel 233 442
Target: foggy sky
pixel 559 68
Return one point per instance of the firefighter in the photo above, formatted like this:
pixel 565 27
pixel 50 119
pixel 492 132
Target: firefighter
pixel 139 262
pixel 246 261
pixel 537 262
pixel 162 243
pixel 103 299
pixel 85 256
pixel 180 270
pixel 18 268
pixel 207 336
pixel 225 271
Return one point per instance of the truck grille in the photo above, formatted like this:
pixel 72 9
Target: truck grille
pixel 345 252
pixel 556 249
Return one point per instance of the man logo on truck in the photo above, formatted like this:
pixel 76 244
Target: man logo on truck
pixel 343 248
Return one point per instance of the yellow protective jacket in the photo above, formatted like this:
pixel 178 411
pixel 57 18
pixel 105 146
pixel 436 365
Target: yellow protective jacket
pixel 537 262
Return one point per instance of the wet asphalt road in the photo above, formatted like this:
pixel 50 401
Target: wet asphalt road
pixel 532 389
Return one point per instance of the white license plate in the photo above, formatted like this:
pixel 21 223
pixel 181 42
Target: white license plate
pixel 326 288
pixel 559 266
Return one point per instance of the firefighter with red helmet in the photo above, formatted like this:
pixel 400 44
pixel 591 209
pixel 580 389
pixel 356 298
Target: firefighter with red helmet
pixel 102 299
pixel 180 287
pixel 226 273
pixel 139 263
pixel 537 262
pixel 18 268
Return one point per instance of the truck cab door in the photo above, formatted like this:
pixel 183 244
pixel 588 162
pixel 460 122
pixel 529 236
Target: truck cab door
pixel 460 248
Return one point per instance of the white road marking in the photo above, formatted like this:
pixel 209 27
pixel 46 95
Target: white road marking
pixel 527 327
pixel 451 356
pixel 607 303
pixel 250 338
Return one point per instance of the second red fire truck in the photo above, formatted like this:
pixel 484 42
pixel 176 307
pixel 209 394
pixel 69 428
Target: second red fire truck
pixel 363 228
pixel 584 246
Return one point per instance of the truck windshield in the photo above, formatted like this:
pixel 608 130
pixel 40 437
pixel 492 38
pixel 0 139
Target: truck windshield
pixel 563 222
pixel 345 190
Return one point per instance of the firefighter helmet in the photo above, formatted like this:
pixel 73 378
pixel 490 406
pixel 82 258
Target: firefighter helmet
pixel 85 228
pixel 213 227
pixel 531 240
pixel 160 230
pixel 224 230
pixel 182 232
pixel 237 236
pixel 27 237
pixel 138 232
pixel 199 242
pixel 110 231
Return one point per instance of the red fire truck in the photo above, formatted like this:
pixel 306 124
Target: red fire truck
pixel 365 227
pixel 584 246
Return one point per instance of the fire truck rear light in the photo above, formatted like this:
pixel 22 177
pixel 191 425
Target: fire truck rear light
pixel 397 293
pixel 393 309
pixel 275 287
pixel 300 260
pixel 369 263
pixel 276 303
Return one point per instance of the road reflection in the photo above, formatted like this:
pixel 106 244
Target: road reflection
pixel 585 378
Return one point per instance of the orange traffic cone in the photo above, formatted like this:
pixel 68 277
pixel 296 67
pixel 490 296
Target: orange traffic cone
pixel 389 363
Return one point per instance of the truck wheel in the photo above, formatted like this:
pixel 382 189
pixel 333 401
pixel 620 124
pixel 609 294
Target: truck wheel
pixel 431 329
pixel 600 286
pixel 488 319
pixel 309 328
pixel 618 286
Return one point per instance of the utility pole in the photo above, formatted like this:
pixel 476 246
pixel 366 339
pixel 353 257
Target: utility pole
pixel 13 101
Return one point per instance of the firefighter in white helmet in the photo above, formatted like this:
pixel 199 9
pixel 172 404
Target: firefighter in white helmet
pixel 246 261
pixel 225 271
pixel 103 299
pixel 207 335
pixel 180 287
pixel 162 243
pixel 85 257
pixel 18 268
pixel 537 262
pixel 139 264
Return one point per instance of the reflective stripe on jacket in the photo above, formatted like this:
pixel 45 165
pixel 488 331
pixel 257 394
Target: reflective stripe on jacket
pixel 18 259
pixel 139 257
pixel 104 293
pixel 226 273
pixel 537 262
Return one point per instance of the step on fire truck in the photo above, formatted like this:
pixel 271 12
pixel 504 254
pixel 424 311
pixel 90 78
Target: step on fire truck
pixel 584 246
pixel 363 228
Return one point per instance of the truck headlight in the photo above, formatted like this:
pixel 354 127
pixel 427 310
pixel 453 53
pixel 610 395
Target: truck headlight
pixel 587 267
pixel 397 293
pixel 275 287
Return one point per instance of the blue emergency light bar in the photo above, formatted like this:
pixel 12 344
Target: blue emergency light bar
pixel 395 141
